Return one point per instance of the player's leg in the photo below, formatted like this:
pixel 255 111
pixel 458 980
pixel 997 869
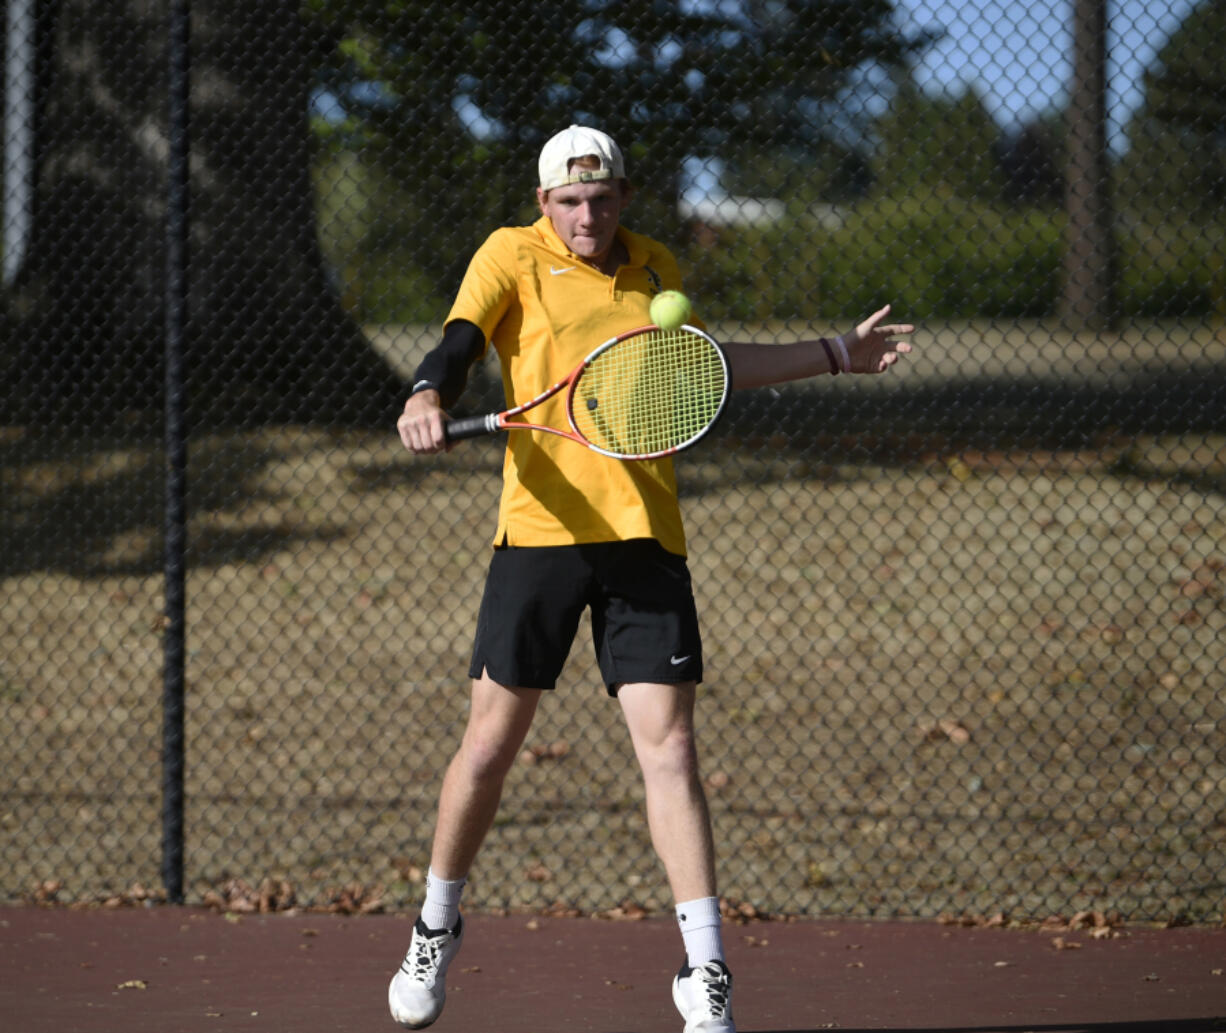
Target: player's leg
pixel 529 613
pixel 645 629
pixel 528 618
pixel 472 788
pixel 650 649
pixel 661 722
pixel 660 718
pixel 498 721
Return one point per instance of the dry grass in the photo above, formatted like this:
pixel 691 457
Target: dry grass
pixel 940 679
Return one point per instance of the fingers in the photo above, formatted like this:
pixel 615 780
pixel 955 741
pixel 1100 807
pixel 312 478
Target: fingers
pixel 889 358
pixel 875 349
pixel 420 427
pixel 897 349
pixel 868 326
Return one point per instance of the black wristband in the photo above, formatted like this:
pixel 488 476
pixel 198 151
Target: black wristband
pixel 834 365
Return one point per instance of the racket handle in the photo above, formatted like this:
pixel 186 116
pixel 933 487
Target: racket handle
pixel 470 427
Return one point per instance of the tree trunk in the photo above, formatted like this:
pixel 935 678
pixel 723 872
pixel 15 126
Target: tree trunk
pixel 1090 264
pixel 267 337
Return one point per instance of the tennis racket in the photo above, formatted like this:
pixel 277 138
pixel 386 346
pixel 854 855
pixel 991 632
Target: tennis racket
pixel 644 394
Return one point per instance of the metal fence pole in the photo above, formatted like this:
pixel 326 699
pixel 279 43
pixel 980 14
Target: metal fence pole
pixel 173 744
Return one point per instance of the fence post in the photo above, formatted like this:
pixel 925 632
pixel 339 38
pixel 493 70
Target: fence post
pixel 175 516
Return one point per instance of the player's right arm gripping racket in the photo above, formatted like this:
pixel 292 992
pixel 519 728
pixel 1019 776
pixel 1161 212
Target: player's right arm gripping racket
pixel 644 394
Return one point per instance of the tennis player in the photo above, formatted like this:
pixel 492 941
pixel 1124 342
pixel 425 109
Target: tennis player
pixel 578 531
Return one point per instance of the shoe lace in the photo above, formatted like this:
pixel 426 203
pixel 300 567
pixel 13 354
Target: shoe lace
pixel 423 958
pixel 717 986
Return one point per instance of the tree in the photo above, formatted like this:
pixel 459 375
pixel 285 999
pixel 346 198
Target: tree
pixel 948 142
pixel 267 335
pixel 464 96
pixel 470 92
pixel 1032 164
pixel 1177 138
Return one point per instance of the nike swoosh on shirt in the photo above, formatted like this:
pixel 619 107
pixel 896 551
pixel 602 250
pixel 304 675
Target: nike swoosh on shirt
pixel 677 660
pixel 558 272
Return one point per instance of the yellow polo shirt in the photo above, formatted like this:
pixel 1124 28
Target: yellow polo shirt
pixel 544 309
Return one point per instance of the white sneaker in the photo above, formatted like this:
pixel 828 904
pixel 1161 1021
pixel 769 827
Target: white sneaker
pixel 703 995
pixel 418 990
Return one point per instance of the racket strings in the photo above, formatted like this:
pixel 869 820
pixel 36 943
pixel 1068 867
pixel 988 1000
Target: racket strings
pixel 650 393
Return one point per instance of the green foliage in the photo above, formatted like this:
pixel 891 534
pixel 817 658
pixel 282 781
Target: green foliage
pixel 930 254
pixel 934 256
pixel 469 94
pixel 1177 156
pixel 408 186
pixel 364 221
pixel 939 141
pixel 1172 266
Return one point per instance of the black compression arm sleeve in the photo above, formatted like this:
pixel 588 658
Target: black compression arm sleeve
pixel 447 365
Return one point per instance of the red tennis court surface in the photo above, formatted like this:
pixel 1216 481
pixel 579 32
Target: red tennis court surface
pixel 174 970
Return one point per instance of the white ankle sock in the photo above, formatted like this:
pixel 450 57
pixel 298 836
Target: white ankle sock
pixel 700 929
pixel 441 909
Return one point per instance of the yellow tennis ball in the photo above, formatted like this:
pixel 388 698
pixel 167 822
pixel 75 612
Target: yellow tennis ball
pixel 669 309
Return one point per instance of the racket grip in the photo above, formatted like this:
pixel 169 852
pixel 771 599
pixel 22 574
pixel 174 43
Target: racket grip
pixel 470 427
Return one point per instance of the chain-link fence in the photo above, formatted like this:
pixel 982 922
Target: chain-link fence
pixel 964 622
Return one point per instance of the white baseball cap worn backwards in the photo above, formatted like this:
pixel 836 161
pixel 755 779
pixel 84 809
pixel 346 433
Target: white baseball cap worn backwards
pixel 579 142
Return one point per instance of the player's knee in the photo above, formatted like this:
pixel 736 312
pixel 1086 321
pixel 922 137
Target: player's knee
pixel 672 756
pixel 488 758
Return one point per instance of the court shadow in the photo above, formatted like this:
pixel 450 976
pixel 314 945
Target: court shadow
pixel 1195 1025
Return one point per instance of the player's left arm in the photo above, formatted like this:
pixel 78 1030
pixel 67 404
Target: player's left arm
pixel 872 347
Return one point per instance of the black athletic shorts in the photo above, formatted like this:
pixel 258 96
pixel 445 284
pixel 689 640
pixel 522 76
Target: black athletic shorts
pixel 644 621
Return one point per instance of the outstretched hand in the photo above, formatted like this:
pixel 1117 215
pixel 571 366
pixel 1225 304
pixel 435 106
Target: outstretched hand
pixel 872 348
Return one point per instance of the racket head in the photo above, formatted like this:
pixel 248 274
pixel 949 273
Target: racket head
pixel 649 393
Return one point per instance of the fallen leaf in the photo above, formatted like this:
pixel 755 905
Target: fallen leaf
pixel 551 751
pixel 538 873
pixel 47 891
pixel 408 870
pixel 947 729
pixel 738 911
pixel 960 470
pixel 626 912
pixel 1088 920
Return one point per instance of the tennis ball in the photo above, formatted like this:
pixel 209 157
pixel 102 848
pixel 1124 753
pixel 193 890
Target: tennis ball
pixel 669 309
